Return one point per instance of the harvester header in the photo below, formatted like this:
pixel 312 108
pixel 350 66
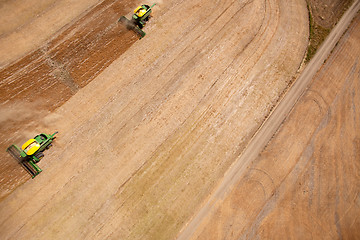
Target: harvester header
pixel 31 152
pixel 141 16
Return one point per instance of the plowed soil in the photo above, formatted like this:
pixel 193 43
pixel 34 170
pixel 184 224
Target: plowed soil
pixel 46 78
pixel 147 128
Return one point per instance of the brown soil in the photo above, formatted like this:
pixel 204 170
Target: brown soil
pixel 27 24
pixel 147 128
pixel 162 123
pixel 45 79
pixel 305 184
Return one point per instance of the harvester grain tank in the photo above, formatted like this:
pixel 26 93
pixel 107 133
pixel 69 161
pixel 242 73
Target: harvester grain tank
pixel 141 16
pixel 32 152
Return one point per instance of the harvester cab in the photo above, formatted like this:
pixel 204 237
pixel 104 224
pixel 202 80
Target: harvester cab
pixel 141 16
pixel 31 152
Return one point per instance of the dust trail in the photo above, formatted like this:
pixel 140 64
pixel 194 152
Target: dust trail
pixel 20 121
pixel 19 111
pixel 28 115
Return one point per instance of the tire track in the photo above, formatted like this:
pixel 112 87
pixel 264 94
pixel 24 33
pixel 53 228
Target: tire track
pixel 163 114
pixel 267 129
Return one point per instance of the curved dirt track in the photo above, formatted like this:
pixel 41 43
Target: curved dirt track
pixel 305 184
pixel 256 185
pixel 142 146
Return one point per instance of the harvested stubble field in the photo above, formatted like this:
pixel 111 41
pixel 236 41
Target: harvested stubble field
pixel 147 129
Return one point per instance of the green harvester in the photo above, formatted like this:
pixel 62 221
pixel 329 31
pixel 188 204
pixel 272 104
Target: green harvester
pixel 141 16
pixel 32 152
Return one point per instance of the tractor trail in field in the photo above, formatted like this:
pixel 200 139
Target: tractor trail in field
pixel 142 144
pixel 43 80
pixel 160 126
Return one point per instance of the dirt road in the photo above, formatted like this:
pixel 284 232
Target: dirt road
pixel 143 144
pixel 306 182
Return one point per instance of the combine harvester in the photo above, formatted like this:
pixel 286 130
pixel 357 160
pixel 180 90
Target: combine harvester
pixel 31 152
pixel 141 15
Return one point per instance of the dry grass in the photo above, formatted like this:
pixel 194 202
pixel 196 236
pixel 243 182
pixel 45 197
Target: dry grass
pixel 317 29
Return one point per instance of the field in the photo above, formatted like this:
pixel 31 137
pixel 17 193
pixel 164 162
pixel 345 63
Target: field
pixel 149 128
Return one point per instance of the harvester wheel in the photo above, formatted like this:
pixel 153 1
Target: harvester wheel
pixel 49 146
pixel 39 156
